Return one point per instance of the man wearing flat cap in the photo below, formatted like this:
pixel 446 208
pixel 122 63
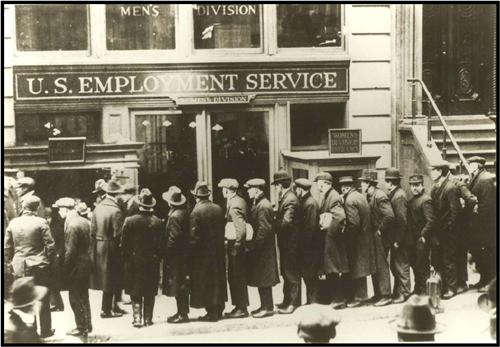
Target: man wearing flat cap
pixel 447 208
pixel 285 226
pixel 334 259
pixel 236 213
pixel 25 188
pixel 206 255
pixel 421 225
pixel 310 242
pixel 262 262
pixel 483 221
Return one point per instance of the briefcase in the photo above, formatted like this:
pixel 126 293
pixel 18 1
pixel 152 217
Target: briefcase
pixel 434 287
pixel 230 232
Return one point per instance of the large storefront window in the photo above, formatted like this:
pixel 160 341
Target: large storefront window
pixel 227 26
pixel 311 25
pixel 310 124
pixel 52 28
pixel 140 26
pixel 37 128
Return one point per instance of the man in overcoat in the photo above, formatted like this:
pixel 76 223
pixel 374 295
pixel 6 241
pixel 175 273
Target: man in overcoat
pixel 105 250
pixel 99 191
pixel 400 261
pixel 25 188
pixel 29 250
pixel 262 262
pixel 359 242
pixel 77 266
pixel 382 217
pixel 310 242
pixel 129 199
pixel 483 221
pixel 447 208
pixel 421 224
pixel 236 213
pixel 174 248
pixel 207 268
pixel 286 224
pixel 334 254
pixel 56 224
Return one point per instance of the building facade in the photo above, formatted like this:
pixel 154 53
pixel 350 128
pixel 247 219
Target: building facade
pixel 166 94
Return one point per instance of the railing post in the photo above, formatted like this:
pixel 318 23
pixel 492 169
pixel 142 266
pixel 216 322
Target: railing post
pixel 443 148
pixel 429 125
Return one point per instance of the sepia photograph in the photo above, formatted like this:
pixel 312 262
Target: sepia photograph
pixel 250 173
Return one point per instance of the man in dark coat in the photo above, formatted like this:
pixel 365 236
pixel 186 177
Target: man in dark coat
pixel 175 246
pixel 421 224
pixel 207 268
pixel 483 221
pixel 105 251
pixel 236 213
pixel 334 255
pixel 99 191
pixel 29 249
pixel 25 188
pixel 359 242
pixel 382 217
pixel 56 224
pixel 310 242
pixel 447 208
pixel 77 266
pixel 400 261
pixel 129 200
pixel 262 262
pixel 141 240
pixel 286 223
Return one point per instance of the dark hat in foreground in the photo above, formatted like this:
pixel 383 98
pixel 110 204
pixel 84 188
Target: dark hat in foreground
pixel 229 183
pixel 66 202
pixel 255 183
pixel 346 179
pixel 369 176
pixel 113 187
pixel 323 176
pixel 24 292
pixel 317 322
pixel 281 176
pixel 174 196
pixel 201 189
pixel 418 317
pixel 99 184
pixel 303 183
pixel 146 199
pixel 477 159
pixel 392 173
pixel 414 179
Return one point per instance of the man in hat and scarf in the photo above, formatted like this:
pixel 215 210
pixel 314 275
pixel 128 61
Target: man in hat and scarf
pixel 206 255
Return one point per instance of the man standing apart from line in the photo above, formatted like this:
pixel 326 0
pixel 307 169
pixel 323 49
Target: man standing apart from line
pixel 236 213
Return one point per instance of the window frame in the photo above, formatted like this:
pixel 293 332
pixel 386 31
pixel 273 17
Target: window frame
pixel 55 54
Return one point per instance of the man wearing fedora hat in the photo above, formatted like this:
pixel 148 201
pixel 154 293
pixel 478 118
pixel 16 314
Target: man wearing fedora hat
pixel 174 248
pixel 382 217
pixel 483 222
pixel 99 191
pixel 400 262
pixel 334 259
pixel 206 255
pixel 236 213
pixel 421 225
pixel 25 188
pixel 29 248
pixel 286 227
pixel 77 266
pixel 106 227
pixel 141 240
pixel 359 243
pixel 447 208
pixel 129 200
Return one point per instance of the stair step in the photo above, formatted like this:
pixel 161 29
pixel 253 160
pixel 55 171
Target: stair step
pixel 467 140
pixel 469 127
pixel 462 120
pixel 469 144
pixel 473 152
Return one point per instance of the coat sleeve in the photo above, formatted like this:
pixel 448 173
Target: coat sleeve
pixel 126 239
pixel 429 217
pixel 486 200
pixel 388 214
pixel 238 218
pixel 48 241
pixel 311 215
pixel 194 230
pixel 470 200
pixel 353 221
pixel 70 243
pixel 118 224
pixel 400 208
pixel 173 232
pixel 453 195
pixel 338 217
pixel 289 212
pixel 265 229
pixel 93 232
pixel 8 246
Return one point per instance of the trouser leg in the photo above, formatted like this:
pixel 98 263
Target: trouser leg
pixel 486 264
pixel 335 286
pixel 182 304
pixel 462 264
pixel 56 299
pixel 78 295
pixel 266 298
pixel 311 289
pixel 237 279
pixel 286 293
pixel 449 249
pixel 400 267
pixel 136 308
pixel 149 304
pixel 41 278
pixel 421 267
pixel 295 293
pixel 107 301
pixel 359 288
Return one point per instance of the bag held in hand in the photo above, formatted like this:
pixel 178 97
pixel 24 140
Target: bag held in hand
pixel 230 233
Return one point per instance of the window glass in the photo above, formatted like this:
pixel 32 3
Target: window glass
pixel 52 28
pixel 36 128
pixel 310 124
pixel 140 26
pixel 226 26
pixel 314 25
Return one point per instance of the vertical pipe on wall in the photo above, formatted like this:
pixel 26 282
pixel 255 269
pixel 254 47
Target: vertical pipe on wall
pixel 417 56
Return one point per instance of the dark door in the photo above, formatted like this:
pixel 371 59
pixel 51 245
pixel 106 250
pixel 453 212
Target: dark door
pixel 458 57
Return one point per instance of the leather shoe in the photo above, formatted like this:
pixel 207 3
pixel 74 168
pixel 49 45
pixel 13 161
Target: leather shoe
pixel 280 305
pixel 448 295
pixel 384 301
pixel 177 318
pixel 483 289
pixel 77 332
pixel 110 314
pixel 237 313
pixel 287 310
pixel 399 300
pixel 354 304
pixel 209 318
pixel 338 305
pixel 262 313
pixel 462 289
pixel 57 309
pixel 51 333
pixel 119 310
pixel 257 310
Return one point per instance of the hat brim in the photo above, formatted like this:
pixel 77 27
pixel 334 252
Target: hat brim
pixel 439 328
pixel 119 191
pixel 364 179
pixel 415 182
pixel 153 204
pixel 281 179
pixel 351 181
pixel 40 292
pixel 97 190
pixel 83 213
pixel 195 194
pixel 167 197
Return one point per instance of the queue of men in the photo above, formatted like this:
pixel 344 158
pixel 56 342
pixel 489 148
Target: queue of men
pixel 333 244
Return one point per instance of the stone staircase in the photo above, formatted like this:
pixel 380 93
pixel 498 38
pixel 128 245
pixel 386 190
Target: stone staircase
pixel 475 135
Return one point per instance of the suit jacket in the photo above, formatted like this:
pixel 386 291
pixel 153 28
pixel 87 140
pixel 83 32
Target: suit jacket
pixel 310 245
pixel 382 216
pixel 77 264
pixel 28 243
pixel 421 220
pixel 447 207
pixel 236 212
pixel 334 259
pixel 484 220
pixel 399 203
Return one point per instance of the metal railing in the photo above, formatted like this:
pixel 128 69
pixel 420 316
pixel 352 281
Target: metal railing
pixel 446 130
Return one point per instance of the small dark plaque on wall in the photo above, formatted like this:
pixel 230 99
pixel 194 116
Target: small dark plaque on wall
pixel 344 141
pixel 67 150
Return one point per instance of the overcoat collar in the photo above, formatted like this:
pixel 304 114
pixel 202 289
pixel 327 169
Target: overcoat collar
pixel 391 194
pixel 474 177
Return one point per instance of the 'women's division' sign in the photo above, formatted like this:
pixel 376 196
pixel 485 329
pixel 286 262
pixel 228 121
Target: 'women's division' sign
pixel 344 141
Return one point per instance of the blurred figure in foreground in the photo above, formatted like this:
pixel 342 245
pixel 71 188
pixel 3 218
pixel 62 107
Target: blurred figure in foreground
pixel 317 323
